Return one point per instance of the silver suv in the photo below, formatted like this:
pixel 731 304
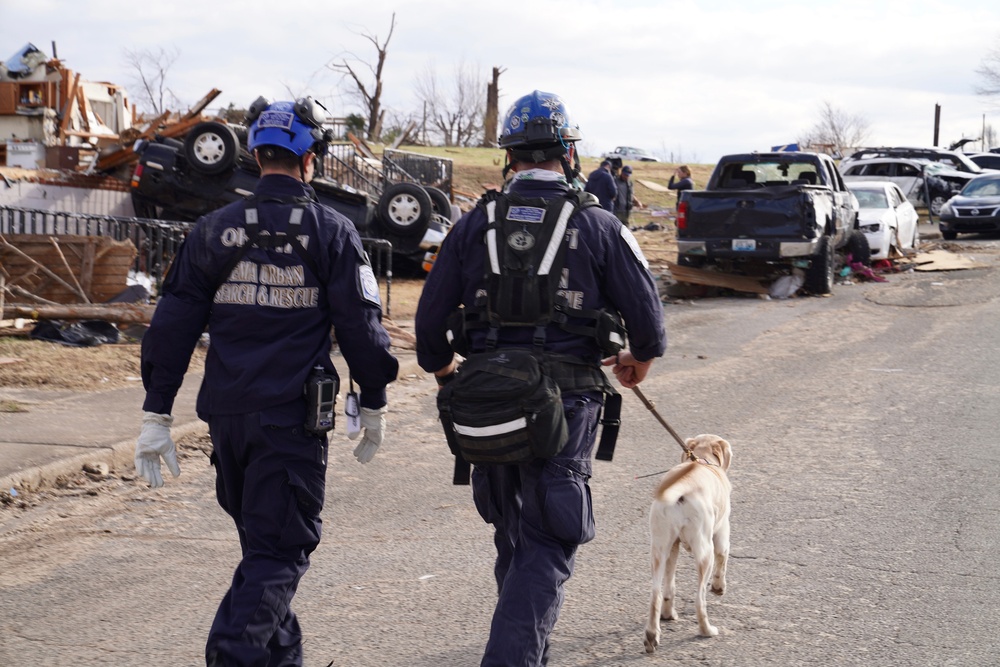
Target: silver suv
pixel 954 159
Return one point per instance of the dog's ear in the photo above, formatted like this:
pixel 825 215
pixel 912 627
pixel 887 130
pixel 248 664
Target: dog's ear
pixel 723 451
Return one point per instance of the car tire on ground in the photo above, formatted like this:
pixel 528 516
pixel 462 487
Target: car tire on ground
pixel 211 147
pixel 819 275
pixel 405 209
pixel 949 236
pixel 858 248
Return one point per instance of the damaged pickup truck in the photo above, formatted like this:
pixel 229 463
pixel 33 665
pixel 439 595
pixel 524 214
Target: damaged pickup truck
pixel 772 211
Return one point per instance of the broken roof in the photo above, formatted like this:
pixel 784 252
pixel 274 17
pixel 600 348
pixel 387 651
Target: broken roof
pixel 23 62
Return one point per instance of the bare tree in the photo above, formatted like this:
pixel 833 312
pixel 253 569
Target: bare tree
pixel 836 131
pixel 455 115
pixel 367 88
pixel 149 71
pixel 989 71
pixel 492 117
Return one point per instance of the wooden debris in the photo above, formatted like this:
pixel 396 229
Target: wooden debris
pixel 943 260
pixel 95 268
pixel 687 274
pixel 122 313
pixel 655 187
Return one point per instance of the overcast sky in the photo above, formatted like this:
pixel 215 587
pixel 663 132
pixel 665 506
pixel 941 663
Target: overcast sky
pixel 687 80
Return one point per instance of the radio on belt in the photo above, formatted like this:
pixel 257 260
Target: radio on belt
pixel 321 396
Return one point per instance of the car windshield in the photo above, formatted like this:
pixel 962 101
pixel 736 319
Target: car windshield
pixel 986 187
pixel 871 198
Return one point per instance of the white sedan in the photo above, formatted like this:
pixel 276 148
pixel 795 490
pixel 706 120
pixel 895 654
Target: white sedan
pixel 885 217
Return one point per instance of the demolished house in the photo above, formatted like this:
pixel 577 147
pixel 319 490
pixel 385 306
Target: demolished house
pixel 53 126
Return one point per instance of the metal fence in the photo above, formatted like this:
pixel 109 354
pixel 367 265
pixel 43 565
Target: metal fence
pixel 157 241
pixel 427 170
pixel 343 165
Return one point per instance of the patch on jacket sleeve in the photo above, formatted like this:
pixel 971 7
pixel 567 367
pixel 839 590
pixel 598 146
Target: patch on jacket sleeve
pixel 634 245
pixel 369 285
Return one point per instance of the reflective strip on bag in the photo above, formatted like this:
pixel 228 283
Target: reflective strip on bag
pixel 493 430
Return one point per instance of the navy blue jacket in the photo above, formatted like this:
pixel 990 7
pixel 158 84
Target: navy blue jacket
pixel 601 184
pixel 269 324
pixel 604 268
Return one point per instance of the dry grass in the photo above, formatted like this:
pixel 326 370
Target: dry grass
pixel 52 366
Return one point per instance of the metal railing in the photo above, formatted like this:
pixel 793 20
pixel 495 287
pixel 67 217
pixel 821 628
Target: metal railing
pixel 157 241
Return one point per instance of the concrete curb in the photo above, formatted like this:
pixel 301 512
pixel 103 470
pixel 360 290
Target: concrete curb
pixel 119 456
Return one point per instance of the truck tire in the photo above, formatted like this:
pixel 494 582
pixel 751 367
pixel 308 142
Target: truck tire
pixel 439 202
pixel 405 209
pixel 819 275
pixel 858 248
pixel 211 147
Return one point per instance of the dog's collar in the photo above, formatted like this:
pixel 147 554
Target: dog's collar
pixel 705 462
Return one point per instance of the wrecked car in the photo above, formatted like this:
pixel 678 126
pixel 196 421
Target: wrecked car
pixel 786 210
pixel 885 217
pixel 925 183
pixel 184 178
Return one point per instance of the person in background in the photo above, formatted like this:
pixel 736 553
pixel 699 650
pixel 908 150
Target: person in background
pixel 681 180
pixel 541 510
pixel 626 198
pixel 601 184
pixel 268 276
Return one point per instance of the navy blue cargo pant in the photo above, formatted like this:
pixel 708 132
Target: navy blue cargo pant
pixel 541 512
pixel 271 480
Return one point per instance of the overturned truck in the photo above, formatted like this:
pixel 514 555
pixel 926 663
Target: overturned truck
pixel 402 198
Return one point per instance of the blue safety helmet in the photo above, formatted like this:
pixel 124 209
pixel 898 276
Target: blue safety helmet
pixel 538 120
pixel 295 126
pixel 537 128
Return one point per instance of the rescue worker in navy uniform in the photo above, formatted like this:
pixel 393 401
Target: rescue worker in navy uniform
pixel 541 510
pixel 299 269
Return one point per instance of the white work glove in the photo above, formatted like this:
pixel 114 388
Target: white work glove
pixel 154 441
pixel 373 427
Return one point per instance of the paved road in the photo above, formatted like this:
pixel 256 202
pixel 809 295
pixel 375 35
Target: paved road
pixel 864 523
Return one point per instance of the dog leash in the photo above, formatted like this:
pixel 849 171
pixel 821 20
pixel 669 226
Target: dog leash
pixel 652 408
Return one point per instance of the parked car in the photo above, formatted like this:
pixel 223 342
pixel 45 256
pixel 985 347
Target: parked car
pixel 630 153
pixel 975 209
pixel 986 160
pixel 910 175
pixel 182 179
pixel 954 159
pixel 885 217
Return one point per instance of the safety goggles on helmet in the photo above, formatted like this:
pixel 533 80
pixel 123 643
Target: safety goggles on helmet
pixel 295 126
pixel 538 120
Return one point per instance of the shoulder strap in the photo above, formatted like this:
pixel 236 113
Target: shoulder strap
pixel 255 239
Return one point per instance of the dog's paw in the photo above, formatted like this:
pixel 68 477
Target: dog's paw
pixel 708 630
pixel 651 641
pixel 719 589
pixel 668 614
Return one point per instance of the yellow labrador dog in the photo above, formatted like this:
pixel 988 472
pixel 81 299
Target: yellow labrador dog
pixel 690 508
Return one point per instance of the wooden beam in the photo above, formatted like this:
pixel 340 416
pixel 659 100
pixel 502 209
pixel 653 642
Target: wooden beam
pixel 81 101
pixel 70 97
pixel 687 274
pixel 200 106
pixel 126 313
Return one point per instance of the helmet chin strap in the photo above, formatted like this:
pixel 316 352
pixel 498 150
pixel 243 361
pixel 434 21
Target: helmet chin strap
pixel 570 170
